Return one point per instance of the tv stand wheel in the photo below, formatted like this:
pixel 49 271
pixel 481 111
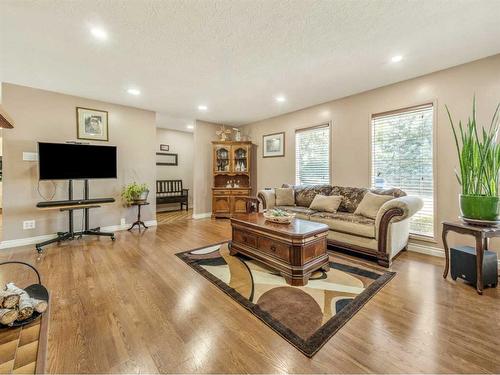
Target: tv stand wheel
pixel 113 238
pixel 39 249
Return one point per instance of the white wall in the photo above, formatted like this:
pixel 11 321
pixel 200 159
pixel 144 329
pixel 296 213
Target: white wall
pixel 204 134
pixel 350 118
pixel 180 143
pixel 46 116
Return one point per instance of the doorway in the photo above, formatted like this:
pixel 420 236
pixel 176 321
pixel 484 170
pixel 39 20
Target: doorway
pixel 174 163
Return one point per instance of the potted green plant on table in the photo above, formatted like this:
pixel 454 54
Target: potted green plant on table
pixel 135 193
pixel 479 160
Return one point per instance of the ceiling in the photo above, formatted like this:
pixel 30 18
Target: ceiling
pixel 236 56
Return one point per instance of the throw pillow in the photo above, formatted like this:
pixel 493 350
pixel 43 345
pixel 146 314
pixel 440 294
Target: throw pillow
pixel 328 203
pixel 370 204
pixel 285 197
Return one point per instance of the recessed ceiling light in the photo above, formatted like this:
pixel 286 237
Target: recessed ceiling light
pixel 99 33
pixel 396 59
pixel 190 126
pixel 134 92
pixel 280 99
pixel 202 107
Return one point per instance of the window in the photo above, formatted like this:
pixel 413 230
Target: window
pixel 312 155
pixel 402 156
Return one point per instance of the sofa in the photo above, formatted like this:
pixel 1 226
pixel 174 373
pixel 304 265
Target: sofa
pixel 382 237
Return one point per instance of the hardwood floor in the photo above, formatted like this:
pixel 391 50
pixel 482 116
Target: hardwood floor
pixel 168 217
pixel 132 306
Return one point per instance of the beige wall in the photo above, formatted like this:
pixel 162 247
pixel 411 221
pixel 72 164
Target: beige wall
pixel 50 117
pixel 204 134
pixel 180 143
pixel 350 118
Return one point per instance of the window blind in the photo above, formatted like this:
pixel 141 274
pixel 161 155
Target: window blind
pixel 312 155
pixel 402 157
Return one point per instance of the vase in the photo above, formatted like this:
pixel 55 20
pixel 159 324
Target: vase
pixel 143 197
pixel 480 207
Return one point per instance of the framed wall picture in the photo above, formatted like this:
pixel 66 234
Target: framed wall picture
pixel 164 158
pixel 165 148
pixel 273 145
pixel 92 124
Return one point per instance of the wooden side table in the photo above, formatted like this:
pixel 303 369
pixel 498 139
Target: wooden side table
pixel 139 222
pixel 482 234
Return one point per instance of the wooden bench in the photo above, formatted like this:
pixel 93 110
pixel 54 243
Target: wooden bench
pixel 171 191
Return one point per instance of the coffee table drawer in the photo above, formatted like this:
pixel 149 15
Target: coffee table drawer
pixel 278 249
pixel 245 238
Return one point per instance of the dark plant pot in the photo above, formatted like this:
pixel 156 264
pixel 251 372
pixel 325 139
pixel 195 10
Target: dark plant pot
pixel 480 207
pixel 143 197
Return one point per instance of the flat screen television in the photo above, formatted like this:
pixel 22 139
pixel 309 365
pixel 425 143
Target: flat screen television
pixel 67 161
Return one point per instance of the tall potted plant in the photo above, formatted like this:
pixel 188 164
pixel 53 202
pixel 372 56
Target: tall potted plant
pixel 479 160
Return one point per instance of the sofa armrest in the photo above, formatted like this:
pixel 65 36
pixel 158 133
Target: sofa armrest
pixel 268 198
pixel 398 209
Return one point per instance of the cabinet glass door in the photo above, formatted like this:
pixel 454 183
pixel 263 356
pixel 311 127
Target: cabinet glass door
pixel 240 159
pixel 222 161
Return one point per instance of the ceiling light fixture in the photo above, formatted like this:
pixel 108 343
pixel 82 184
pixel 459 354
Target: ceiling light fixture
pixel 134 92
pixel 202 107
pixel 99 33
pixel 280 99
pixel 396 59
pixel 190 126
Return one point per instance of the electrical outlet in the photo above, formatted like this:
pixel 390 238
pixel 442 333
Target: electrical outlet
pixel 29 224
pixel 122 221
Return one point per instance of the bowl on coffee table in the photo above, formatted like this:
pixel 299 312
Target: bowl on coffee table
pixel 276 215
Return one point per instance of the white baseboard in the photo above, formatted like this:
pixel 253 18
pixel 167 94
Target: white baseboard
pixel 426 249
pixel 37 239
pixel 430 250
pixel 202 216
pixel 26 241
pixel 119 227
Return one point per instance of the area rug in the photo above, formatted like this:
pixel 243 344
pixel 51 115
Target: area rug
pixel 307 317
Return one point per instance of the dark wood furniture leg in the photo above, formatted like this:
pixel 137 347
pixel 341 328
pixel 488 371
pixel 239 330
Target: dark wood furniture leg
pixel 480 242
pixel 446 252
pixel 138 222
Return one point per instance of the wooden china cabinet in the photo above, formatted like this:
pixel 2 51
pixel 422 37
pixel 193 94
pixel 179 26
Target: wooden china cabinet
pixel 232 180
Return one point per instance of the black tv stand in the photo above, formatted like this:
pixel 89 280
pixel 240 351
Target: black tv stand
pixel 70 205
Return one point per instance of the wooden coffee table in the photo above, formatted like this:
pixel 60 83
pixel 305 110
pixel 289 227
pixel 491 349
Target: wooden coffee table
pixel 295 250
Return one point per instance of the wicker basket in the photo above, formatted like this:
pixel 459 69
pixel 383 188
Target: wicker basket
pixel 37 291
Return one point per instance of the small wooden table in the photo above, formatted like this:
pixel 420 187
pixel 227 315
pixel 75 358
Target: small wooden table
pixel 482 234
pixel 296 250
pixel 139 222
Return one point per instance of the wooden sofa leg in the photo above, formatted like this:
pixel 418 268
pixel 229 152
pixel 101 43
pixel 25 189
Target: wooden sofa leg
pixel 383 262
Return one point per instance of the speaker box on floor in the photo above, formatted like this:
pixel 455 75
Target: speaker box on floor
pixel 463 265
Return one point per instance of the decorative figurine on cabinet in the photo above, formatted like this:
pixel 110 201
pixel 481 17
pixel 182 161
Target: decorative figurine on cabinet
pixel 223 133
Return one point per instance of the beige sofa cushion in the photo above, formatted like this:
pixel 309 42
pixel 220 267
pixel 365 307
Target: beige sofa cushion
pixel 346 223
pixel 326 203
pixel 300 212
pixel 285 197
pixel 370 204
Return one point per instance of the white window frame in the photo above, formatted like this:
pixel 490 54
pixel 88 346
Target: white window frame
pixel 327 124
pixel 434 104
